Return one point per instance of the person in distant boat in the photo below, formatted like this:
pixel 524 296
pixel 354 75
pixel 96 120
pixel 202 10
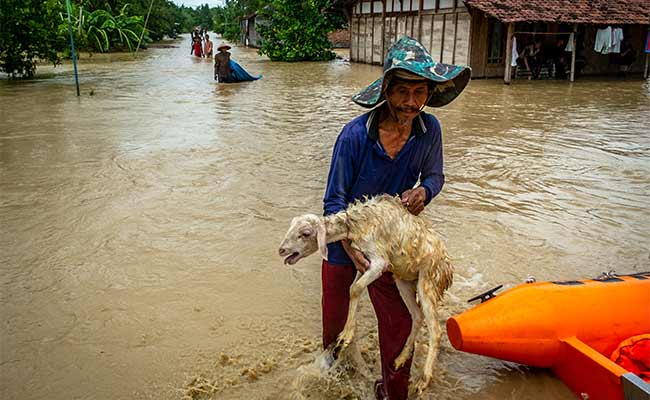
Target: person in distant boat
pixel 197 50
pixel 207 46
pixel 222 71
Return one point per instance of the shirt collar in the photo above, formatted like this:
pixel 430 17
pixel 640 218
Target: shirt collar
pixel 419 128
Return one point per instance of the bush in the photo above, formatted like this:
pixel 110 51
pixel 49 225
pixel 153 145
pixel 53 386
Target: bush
pixel 26 35
pixel 296 31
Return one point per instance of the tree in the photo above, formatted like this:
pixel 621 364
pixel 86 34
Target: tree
pixel 33 31
pixel 163 20
pixel 100 30
pixel 226 19
pixel 27 30
pixel 165 17
pixel 187 18
pixel 296 31
pixel 205 16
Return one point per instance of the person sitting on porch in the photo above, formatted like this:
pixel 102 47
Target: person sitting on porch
pixel 558 59
pixel 626 58
pixel 531 56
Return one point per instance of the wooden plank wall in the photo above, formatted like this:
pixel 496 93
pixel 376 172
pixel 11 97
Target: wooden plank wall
pixel 446 29
pixel 376 25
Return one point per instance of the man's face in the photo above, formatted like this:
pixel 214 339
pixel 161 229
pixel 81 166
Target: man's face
pixel 406 98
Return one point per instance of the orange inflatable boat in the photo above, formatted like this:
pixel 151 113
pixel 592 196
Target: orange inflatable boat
pixel 572 327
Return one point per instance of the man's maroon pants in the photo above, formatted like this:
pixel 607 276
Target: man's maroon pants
pixel 393 318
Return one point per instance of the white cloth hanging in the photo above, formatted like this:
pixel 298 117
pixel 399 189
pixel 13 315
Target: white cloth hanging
pixel 569 45
pixel 515 53
pixel 617 38
pixel 603 41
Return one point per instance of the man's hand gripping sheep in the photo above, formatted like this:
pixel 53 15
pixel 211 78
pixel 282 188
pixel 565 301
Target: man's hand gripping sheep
pixel 392 239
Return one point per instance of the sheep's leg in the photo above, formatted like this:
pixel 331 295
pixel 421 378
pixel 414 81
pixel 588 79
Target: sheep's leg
pixel 360 365
pixel 372 274
pixel 428 300
pixel 407 291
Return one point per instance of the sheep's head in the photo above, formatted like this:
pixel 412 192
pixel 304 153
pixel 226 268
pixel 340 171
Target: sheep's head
pixel 305 235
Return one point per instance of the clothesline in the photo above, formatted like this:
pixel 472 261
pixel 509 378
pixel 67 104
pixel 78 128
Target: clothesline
pixel 544 33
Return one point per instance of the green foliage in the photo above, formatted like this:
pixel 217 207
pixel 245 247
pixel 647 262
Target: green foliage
pixel 33 31
pixel 99 30
pixel 226 19
pixel 26 28
pixel 204 17
pixel 188 18
pixel 334 16
pixel 165 17
pixel 296 31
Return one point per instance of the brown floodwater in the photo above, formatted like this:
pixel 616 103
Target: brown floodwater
pixel 139 223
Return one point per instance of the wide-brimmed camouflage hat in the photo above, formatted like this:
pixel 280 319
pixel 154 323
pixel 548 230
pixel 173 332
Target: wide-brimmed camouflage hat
pixel 409 55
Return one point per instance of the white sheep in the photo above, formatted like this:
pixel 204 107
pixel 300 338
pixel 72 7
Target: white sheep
pixel 392 239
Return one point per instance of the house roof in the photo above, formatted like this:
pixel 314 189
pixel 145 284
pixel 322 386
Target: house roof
pixel 249 16
pixel 566 11
pixel 343 3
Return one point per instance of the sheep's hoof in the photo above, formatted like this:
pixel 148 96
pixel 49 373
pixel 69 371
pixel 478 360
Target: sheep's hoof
pixel 345 338
pixel 342 343
pixel 402 358
pixel 422 384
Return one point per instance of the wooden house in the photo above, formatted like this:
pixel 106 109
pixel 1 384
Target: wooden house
pixel 248 28
pixel 480 33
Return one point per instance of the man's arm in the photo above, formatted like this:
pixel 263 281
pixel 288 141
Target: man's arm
pixel 341 174
pixel 216 67
pixel 339 183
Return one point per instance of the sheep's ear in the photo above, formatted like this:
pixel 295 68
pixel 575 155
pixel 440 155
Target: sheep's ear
pixel 321 234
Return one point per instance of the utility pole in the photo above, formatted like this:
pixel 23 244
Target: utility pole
pixel 74 54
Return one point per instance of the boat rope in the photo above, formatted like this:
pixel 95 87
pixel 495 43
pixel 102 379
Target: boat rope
pixel 611 274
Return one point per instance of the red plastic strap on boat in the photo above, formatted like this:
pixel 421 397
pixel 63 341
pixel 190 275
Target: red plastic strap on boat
pixel 633 354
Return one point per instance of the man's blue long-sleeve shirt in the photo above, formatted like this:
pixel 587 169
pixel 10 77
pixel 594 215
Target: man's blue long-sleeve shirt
pixel 360 166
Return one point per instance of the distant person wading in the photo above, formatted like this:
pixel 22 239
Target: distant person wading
pixel 207 46
pixel 197 49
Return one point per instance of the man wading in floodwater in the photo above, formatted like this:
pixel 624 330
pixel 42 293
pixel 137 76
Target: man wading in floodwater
pixel 222 72
pixel 387 150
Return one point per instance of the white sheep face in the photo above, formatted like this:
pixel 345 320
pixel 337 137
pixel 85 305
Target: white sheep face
pixel 302 239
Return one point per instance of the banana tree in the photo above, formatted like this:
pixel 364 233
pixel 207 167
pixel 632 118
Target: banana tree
pixel 102 31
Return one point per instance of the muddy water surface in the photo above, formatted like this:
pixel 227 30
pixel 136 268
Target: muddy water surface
pixel 139 223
